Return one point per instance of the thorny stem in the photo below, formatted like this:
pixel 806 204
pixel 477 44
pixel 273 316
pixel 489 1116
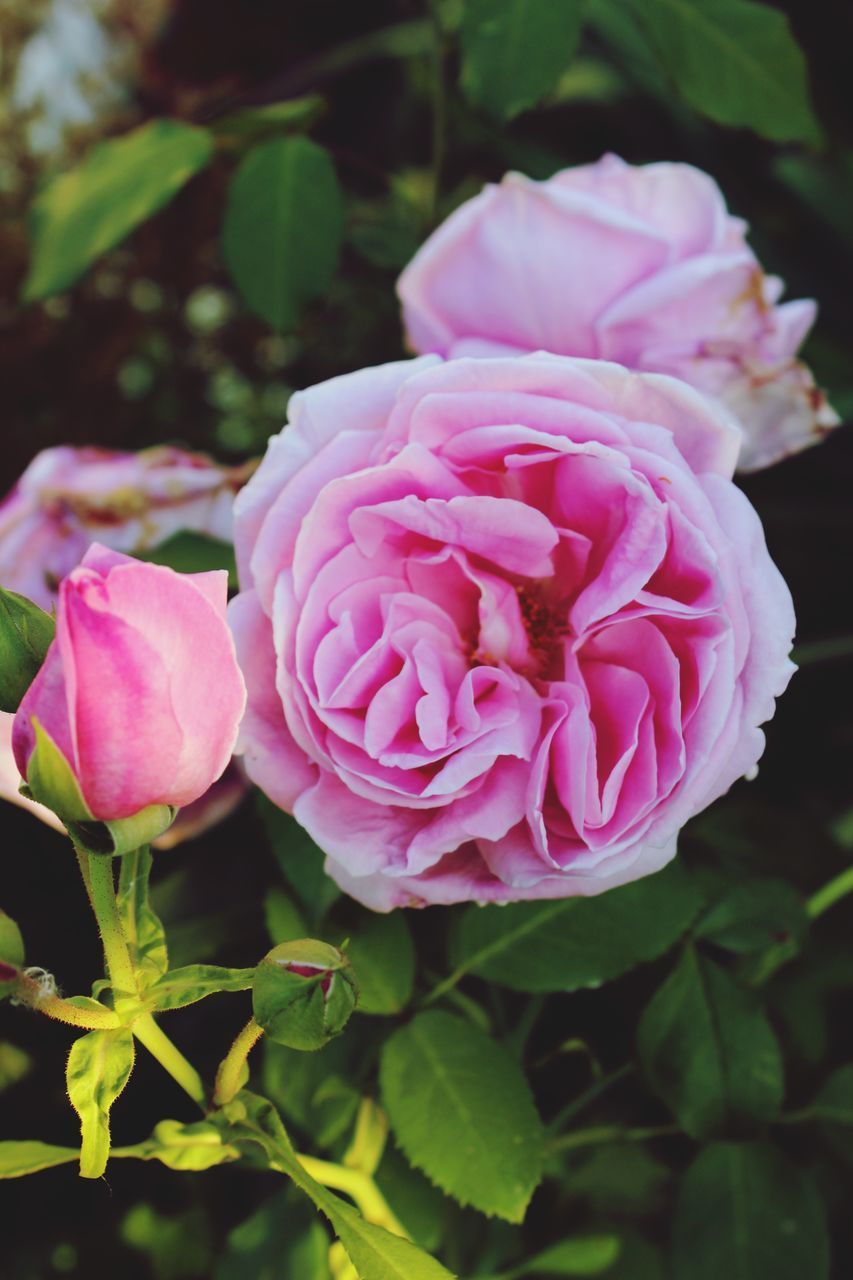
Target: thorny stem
pixel 229 1077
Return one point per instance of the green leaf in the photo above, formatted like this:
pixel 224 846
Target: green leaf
pixel 283 227
pixel 832 1108
pixel 177 1246
pixel 121 183
pixel 415 1202
pixel 584 1256
pixel 146 937
pixel 189 1147
pixel 462 1111
pixel 754 915
pixel 708 1050
pixel 99 1066
pixel 315 1091
pixel 15 1065
pixel 577 942
pixel 283 918
pixel 300 861
pixel 745 1211
pixel 374 1252
pixel 188 551
pixel 180 987
pixel 383 956
pixel 514 51
pixel 736 62
pixel 11 942
pixel 26 632
pixel 17 1159
pixel 255 123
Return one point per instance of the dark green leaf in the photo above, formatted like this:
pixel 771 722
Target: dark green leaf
pixel 577 942
pixel 462 1111
pixel 99 1066
pixel 583 1256
pixel 190 552
pixel 753 915
pixel 300 861
pixel 514 51
pixel 832 1108
pixel 283 918
pixel 313 1090
pixel 735 61
pixel 419 1206
pixel 180 987
pixel 745 1211
pixel 177 1246
pixel 121 183
pixel 26 632
pixel 256 123
pixel 276 1243
pixel 283 226
pixel 708 1050
pixel 383 956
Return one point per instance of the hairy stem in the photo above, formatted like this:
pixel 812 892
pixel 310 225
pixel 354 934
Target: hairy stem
pixel 229 1077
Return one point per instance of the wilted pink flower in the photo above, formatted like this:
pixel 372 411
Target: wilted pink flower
pixel 140 690
pixel 69 497
pixel 639 264
pixel 506 625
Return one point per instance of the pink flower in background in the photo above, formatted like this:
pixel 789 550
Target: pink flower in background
pixel 506 625
pixel 639 264
pixel 140 690
pixel 69 497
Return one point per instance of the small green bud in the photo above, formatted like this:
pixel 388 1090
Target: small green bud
pixel 11 954
pixel 303 993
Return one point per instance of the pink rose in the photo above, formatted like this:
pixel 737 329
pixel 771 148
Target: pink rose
pixel 68 498
pixel 131 502
pixel 641 264
pixel 506 625
pixel 140 690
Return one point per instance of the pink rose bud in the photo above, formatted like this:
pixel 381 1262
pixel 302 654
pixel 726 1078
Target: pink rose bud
pixel 140 693
pixel 304 993
pixel 641 264
pixel 507 624
pixel 69 497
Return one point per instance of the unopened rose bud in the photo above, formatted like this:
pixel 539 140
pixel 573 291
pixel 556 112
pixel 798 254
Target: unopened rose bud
pixel 304 993
pixel 11 954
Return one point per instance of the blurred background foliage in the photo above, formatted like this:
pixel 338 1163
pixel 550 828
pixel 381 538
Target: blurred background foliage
pixel 205 206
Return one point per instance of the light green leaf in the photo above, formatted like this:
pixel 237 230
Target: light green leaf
pixel 11 942
pixel 121 183
pixel 584 1256
pixel 26 632
pixel 20 1158
pixel 283 226
pixel 745 1211
pixel 191 552
pixel 15 1065
pixel 180 987
pixel 383 956
pixel 577 942
pixel 283 917
pixel 753 915
pixel 735 61
pixel 146 937
pixel 189 1147
pixel 99 1066
pixel 708 1050
pixel 514 51
pixel 462 1111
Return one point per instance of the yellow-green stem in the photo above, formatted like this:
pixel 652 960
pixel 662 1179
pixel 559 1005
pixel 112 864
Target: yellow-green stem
pixel 830 893
pixel 170 1057
pixel 357 1184
pixel 229 1077
pixel 31 992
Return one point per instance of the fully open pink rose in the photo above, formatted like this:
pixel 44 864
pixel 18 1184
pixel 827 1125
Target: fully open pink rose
pixel 640 264
pixel 69 497
pixel 140 690
pixel 506 625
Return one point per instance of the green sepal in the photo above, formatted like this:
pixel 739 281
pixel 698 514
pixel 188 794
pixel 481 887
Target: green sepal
pixel 298 1009
pixel 51 780
pixel 11 954
pixel 26 632
pixel 123 835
